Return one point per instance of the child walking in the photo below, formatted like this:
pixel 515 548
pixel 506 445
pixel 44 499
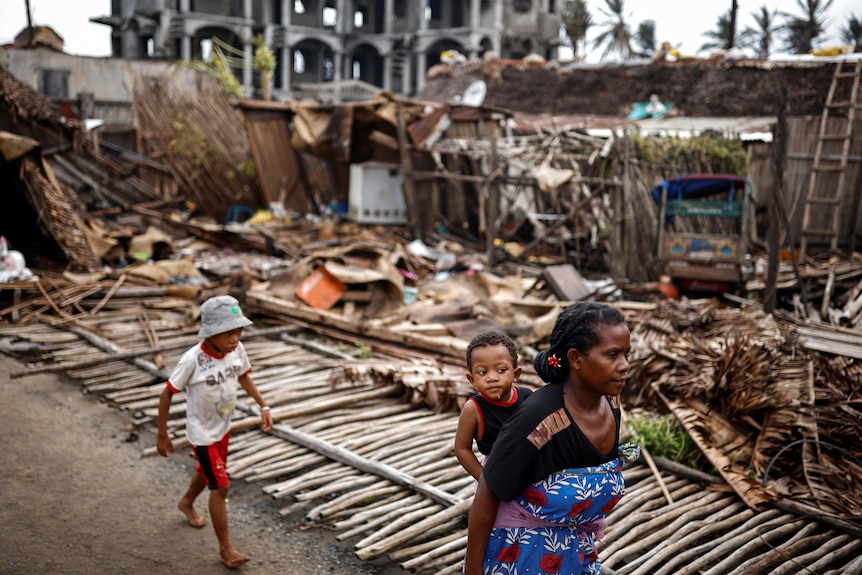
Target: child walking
pixel 210 373
pixel 492 364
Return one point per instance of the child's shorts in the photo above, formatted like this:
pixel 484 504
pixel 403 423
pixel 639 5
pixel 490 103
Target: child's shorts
pixel 212 462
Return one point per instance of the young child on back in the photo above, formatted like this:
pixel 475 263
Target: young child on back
pixel 211 373
pixel 492 368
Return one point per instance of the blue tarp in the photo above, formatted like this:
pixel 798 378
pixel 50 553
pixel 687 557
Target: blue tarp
pixel 639 111
pixel 694 186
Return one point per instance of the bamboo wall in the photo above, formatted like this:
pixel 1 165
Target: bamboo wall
pixel 802 140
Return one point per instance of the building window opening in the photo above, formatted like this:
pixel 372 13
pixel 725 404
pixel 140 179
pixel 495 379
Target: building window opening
pixel 400 9
pixel 328 69
pixel 54 83
pixel 357 70
pixel 523 5
pixel 330 17
pixel 299 7
pixel 299 62
pixel 206 50
pixel 358 19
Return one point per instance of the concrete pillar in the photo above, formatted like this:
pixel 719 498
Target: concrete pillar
pixel 248 47
pixel 186 40
pixel 497 26
pixel 421 64
pixel 341 22
pixel 286 68
pixel 286 12
pixel 423 23
pixel 286 52
pixel 387 71
pixel 388 15
pixel 186 47
pixel 338 65
pixel 474 24
pixel 407 75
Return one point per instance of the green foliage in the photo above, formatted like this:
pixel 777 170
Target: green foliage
pixel 616 34
pixel 801 32
pixel 663 436
pixel 577 20
pixel 250 168
pixel 762 36
pixel 225 59
pixel 264 58
pixel 701 154
pixel 363 351
pixel 723 34
pixel 851 33
pixel 645 38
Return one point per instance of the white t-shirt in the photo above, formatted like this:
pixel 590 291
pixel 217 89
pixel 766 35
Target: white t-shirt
pixel 211 383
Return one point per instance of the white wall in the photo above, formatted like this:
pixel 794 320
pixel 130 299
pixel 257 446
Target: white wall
pixel 108 79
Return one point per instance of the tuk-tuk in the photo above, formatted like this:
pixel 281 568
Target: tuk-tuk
pixel 703 235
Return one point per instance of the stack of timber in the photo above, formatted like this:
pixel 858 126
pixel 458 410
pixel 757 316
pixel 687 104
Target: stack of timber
pixel 364 444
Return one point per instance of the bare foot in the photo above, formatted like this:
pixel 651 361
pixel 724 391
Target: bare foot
pixel 195 518
pixel 234 559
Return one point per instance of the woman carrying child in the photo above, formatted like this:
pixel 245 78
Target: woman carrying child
pixel 555 470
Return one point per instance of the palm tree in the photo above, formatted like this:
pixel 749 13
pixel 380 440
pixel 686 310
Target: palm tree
pixel 731 33
pixel 852 33
pixel 576 19
pixel 801 31
pixel 616 34
pixel 760 37
pixel 645 38
pixel 722 35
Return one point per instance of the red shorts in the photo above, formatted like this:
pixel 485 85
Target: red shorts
pixel 212 462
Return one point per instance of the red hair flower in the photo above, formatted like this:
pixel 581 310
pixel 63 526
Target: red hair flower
pixel 554 361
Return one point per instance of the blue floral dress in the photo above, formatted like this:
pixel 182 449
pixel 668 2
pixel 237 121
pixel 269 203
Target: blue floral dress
pixel 564 518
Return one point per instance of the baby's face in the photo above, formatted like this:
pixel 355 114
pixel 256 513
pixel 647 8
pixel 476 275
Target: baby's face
pixel 493 373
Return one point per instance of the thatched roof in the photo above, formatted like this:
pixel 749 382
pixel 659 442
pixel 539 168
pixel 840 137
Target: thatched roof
pixel 44 36
pixel 61 215
pixel 26 104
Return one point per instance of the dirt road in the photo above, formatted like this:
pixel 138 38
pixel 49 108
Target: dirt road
pixel 77 498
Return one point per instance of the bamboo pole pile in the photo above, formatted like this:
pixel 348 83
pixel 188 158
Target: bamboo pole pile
pixel 353 449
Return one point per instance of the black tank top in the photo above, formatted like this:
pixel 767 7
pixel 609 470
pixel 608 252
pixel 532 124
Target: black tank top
pixel 494 414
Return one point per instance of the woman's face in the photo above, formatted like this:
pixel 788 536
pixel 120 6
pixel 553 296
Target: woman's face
pixel 605 367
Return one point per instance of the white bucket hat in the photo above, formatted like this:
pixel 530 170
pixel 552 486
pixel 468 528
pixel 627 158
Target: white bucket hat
pixel 220 314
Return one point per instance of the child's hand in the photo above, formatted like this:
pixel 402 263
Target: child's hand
pixel 266 420
pixel 164 445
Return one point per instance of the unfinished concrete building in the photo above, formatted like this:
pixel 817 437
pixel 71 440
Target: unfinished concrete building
pixel 387 43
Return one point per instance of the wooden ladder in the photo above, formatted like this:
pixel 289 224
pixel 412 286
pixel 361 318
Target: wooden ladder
pixel 827 181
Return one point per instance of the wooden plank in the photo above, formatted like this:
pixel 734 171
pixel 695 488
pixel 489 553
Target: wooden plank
pixel 566 283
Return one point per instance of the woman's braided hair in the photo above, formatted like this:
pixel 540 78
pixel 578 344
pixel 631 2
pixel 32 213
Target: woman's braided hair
pixel 576 327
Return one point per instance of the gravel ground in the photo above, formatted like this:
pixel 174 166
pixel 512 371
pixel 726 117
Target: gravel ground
pixel 76 497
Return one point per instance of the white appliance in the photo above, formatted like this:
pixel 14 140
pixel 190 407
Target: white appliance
pixel 376 194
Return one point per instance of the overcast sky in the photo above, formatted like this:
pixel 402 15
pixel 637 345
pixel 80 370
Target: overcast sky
pixel 680 22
